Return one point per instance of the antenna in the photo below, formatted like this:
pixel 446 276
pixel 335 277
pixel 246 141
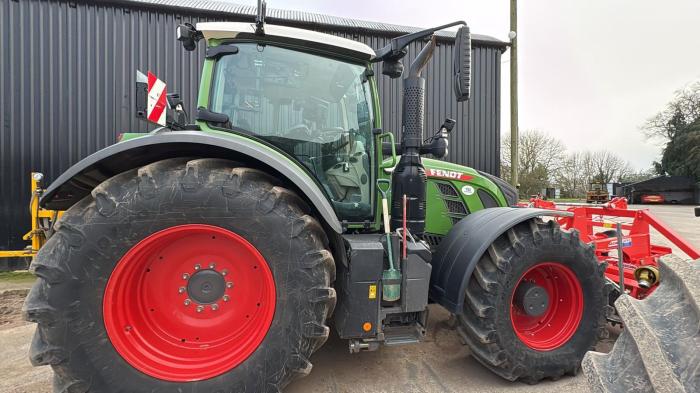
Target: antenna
pixel 260 18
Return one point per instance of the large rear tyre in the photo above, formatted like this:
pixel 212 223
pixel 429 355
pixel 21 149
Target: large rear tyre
pixel 182 276
pixel 534 304
pixel 658 350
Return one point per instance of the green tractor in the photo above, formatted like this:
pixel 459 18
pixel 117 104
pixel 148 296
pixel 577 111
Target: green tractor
pixel 213 255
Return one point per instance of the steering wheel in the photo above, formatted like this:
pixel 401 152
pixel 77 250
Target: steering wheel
pixel 331 137
pixel 301 132
pixel 335 139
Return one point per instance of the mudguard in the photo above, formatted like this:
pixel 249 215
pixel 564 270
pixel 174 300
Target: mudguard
pixel 79 180
pixel 458 253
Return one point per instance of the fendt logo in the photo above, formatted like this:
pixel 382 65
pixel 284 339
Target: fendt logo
pixel 443 174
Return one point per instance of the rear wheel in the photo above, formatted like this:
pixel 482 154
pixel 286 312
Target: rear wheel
pixel 183 275
pixel 535 303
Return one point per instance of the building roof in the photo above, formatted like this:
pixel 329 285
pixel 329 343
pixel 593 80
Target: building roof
pixel 275 15
pixel 308 37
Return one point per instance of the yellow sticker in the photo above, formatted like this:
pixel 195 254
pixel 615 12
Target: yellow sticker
pixel 372 291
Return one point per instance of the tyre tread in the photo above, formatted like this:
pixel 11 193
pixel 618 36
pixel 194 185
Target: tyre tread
pixel 657 351
pixel 477 326
pixel 57 283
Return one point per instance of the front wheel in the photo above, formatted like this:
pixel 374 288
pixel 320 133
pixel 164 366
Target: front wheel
pixel 535 303
pixel 182 276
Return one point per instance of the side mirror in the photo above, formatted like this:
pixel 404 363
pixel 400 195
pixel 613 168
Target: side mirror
pixel 188 35
pixel 438 148
pixel 392 68
pixel 462 63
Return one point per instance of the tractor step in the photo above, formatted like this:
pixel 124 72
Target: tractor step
pixel 400 335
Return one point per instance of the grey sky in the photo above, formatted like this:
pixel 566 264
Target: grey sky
pixel 591 71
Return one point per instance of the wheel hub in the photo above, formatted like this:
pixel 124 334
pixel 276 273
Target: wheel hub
pixel 206 286
pixel 546 306
pixel 531 298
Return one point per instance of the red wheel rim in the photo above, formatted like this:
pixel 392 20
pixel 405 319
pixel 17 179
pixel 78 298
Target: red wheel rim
pixel 166 313
pixel 560 320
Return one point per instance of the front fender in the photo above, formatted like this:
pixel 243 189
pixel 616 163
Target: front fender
pixel 79 180
pixel 458 253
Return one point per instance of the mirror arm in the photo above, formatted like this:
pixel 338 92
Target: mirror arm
pixel 395 49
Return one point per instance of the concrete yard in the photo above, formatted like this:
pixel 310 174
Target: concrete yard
pixel 439 364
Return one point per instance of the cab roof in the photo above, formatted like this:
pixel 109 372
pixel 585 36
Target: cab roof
pixel 287 35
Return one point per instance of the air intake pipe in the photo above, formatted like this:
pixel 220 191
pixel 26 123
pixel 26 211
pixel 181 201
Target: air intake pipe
pixel 409 175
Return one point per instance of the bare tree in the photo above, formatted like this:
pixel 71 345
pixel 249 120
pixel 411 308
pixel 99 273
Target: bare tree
pixel 588 171
pixel 609 167
pixel 581 168
pixel 678 126
pixel 543 161
pixel 571 177
pixel 540 157
pixel 682 111
pixel 634 177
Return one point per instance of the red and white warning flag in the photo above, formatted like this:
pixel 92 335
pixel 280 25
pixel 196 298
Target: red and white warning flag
pixel 156 107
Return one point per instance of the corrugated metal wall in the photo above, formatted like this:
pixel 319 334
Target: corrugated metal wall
pixel 67 75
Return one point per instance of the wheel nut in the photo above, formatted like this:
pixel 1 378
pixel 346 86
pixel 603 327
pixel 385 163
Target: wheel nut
pixel 200 308
pixel 214 307
pixel 225 298
pixel 187 302
pixel 229 284
pixel 197 267
pixel 224 272
pixel 212 265
pixel 181 290
pixel 185 276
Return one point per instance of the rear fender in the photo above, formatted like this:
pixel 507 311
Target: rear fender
pixel 458 253
pixel 79 180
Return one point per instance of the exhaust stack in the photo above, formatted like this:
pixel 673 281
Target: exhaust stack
pixel 409 175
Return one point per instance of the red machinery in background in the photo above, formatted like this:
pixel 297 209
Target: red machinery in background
pixel 597 224
pixel 652 198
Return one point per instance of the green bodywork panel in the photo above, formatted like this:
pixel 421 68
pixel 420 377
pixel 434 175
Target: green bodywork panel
pixel 464 185
pixel 439 218
pixel 131 135
pixel 442 209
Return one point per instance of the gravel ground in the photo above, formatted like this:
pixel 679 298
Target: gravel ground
pixel 681 219
pixel 438 364
pixel 11 308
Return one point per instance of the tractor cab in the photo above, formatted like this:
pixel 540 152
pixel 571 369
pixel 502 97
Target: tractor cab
pixel 313 97
pixel 300 92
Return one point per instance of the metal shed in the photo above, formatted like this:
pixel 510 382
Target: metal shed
pixel 67 77
pixel 673 189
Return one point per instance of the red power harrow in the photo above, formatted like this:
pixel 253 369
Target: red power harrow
pixel 597 224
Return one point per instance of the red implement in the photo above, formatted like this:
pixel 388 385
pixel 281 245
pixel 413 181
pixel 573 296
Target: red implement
pixel 597 224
